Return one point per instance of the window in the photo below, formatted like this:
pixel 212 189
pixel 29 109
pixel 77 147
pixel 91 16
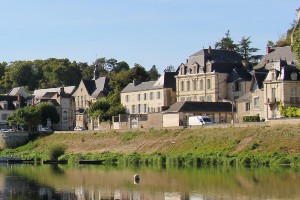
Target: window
pixel 294 98
pixel 145 96
pixel 194 84
pixel 208 98
pixel 237 86
pixel 133 109
pixel 256 102
pixel 201 84
pixel 139 108
pixel 273 94
pixel 208 82
pixel 158 95
pixel 65 115
pixel 188 87
pixel 247 106
pixel 151 96
pixel 182 86
pixel 201 98
pixel 138 97
pixel 294 92
pixel 145 108
pixel 4 116
pixel 127 98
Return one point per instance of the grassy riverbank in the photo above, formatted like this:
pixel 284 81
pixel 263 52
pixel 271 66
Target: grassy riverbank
pixel 261 144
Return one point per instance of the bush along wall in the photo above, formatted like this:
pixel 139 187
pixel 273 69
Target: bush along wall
pixel 254 118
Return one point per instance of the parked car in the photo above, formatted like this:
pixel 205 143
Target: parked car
pixel 6 130
pixel 199 120
pixel 79 128
pixel 45 130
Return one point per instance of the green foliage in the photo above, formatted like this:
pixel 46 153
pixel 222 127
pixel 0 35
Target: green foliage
pixel 56 150
pixel 245 49
pixel 26 116
pixel 254 118
pixel 153 73
pixel 48 111
pixel 296 45
pixel 226 43
pixel 289 111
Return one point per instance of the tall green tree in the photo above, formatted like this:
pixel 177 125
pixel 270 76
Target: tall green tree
pixel 226 43
pixel 48 111
pixel 170 68
pixel 296 45
pixel 247 52
pixel 26 116
pixel 153 73
pixel 138 73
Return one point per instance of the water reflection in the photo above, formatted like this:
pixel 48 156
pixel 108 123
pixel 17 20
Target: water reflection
pixel 102 182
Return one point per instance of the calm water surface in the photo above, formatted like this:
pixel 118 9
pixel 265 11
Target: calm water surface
pixel 102 182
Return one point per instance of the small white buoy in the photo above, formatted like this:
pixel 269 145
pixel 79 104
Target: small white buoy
pixel 136 179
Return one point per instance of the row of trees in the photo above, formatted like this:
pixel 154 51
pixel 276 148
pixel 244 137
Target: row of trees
pixel 54 72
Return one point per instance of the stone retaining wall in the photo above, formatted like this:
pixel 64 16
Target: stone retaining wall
pixel 12 139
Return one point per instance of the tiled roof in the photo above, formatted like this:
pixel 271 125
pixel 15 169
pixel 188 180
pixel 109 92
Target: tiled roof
pixel 193 106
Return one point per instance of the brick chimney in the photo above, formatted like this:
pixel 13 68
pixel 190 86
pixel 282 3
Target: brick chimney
pixel 268 49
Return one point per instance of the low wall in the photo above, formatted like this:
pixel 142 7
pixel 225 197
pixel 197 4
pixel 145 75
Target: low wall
pixel 12 139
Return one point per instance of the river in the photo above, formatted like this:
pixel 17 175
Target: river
pixel 91 182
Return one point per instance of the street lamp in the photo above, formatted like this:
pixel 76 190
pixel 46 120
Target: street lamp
pixel 233 98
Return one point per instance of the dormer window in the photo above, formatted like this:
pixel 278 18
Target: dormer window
pixel 17 104
pixel 4 105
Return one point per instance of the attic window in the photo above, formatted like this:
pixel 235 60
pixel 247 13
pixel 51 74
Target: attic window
pixel 5 106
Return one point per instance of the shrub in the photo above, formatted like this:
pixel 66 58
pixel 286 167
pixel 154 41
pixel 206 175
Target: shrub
pixel 254 118
pixel 56 150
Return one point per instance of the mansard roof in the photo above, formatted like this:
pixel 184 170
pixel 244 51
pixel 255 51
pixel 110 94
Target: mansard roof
pixel 10 101
pixel 241 73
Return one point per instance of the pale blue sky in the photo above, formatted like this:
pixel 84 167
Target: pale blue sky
pixel 148 32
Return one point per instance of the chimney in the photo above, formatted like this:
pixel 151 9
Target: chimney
pixel 209 49
pixel 268 49
pixel 134 82
pixel 96 73
pixel 19 98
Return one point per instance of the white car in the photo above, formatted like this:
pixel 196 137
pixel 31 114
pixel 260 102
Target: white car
pixel 79 128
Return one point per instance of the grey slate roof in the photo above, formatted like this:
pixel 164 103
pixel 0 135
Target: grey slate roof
pixel 239 73
pixel 10 101
pixel 165 81
pixel 41 92
pixel 279 53
pixel 96 87
pixel 194 106
pixel 217 55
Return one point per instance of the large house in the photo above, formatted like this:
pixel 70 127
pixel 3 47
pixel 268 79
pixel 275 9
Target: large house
pixel 8 104
pixel 150 96
pixel 204 77
pixel 88 92
pixel 62 99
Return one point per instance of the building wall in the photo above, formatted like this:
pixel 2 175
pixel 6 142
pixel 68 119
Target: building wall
pixel 142 102
pixel 209 87
pixel 253 108
pixel 82 96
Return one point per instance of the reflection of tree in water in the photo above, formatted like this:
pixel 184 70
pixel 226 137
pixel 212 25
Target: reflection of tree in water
pixel 15 188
